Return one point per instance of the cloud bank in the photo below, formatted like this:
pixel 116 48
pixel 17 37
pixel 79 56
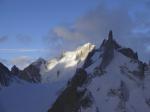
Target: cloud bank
pixel 129 20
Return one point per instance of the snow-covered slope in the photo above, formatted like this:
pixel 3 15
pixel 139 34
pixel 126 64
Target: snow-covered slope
pixel 120 88
pixel 64 68
pixel 28 97
pixel 113 80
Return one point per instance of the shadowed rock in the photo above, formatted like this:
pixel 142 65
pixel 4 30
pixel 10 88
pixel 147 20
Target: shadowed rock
pixel 5 75
pixel 15 70
pixel 108 47
pixel 72 99
pixel 129 53
pixel 88 60
pixel 31 73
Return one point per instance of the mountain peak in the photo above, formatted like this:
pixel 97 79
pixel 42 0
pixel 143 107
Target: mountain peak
pixel 80 53
pixel 110 42
pixel 39 62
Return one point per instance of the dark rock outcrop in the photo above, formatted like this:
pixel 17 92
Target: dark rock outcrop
pixel 88 60
pixel 5 75
pixel 32 72
pixel 129 53
pixel 110 42
pixel 72 99
pixel 108 47
pixel 124 92
pixel 15 71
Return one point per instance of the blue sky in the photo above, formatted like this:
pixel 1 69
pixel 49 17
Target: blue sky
pixel 25 23
pixel 44 28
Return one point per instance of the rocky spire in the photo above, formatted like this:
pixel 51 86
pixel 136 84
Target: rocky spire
pixel 109 42
pixel 108 50
pixel 110 35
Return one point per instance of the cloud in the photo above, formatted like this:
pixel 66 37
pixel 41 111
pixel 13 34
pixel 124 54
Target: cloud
pixel 22 50
pixel 3 39
pixel 22 61
pixel 67 33
pixel 129 20
pixel 5 62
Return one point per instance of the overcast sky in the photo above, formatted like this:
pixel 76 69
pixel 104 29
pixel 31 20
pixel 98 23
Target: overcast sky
pixel 44 28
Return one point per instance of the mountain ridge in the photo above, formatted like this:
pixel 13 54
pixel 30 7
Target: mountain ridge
pixel 110 78
pixel 107 82
pixel 38 69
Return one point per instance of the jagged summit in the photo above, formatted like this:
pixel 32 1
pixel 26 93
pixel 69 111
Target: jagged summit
pixel 110 36
pixel 112 44
pixel 39 62
pixel 107 48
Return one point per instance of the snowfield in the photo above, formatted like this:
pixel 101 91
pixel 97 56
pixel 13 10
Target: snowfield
pixel 28 97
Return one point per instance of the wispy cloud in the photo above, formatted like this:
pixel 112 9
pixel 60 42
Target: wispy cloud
pixel 9 50
pixel 3 39
pixel 21 61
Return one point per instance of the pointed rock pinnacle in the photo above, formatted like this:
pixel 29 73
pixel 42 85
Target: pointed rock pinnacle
pixel 110 35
